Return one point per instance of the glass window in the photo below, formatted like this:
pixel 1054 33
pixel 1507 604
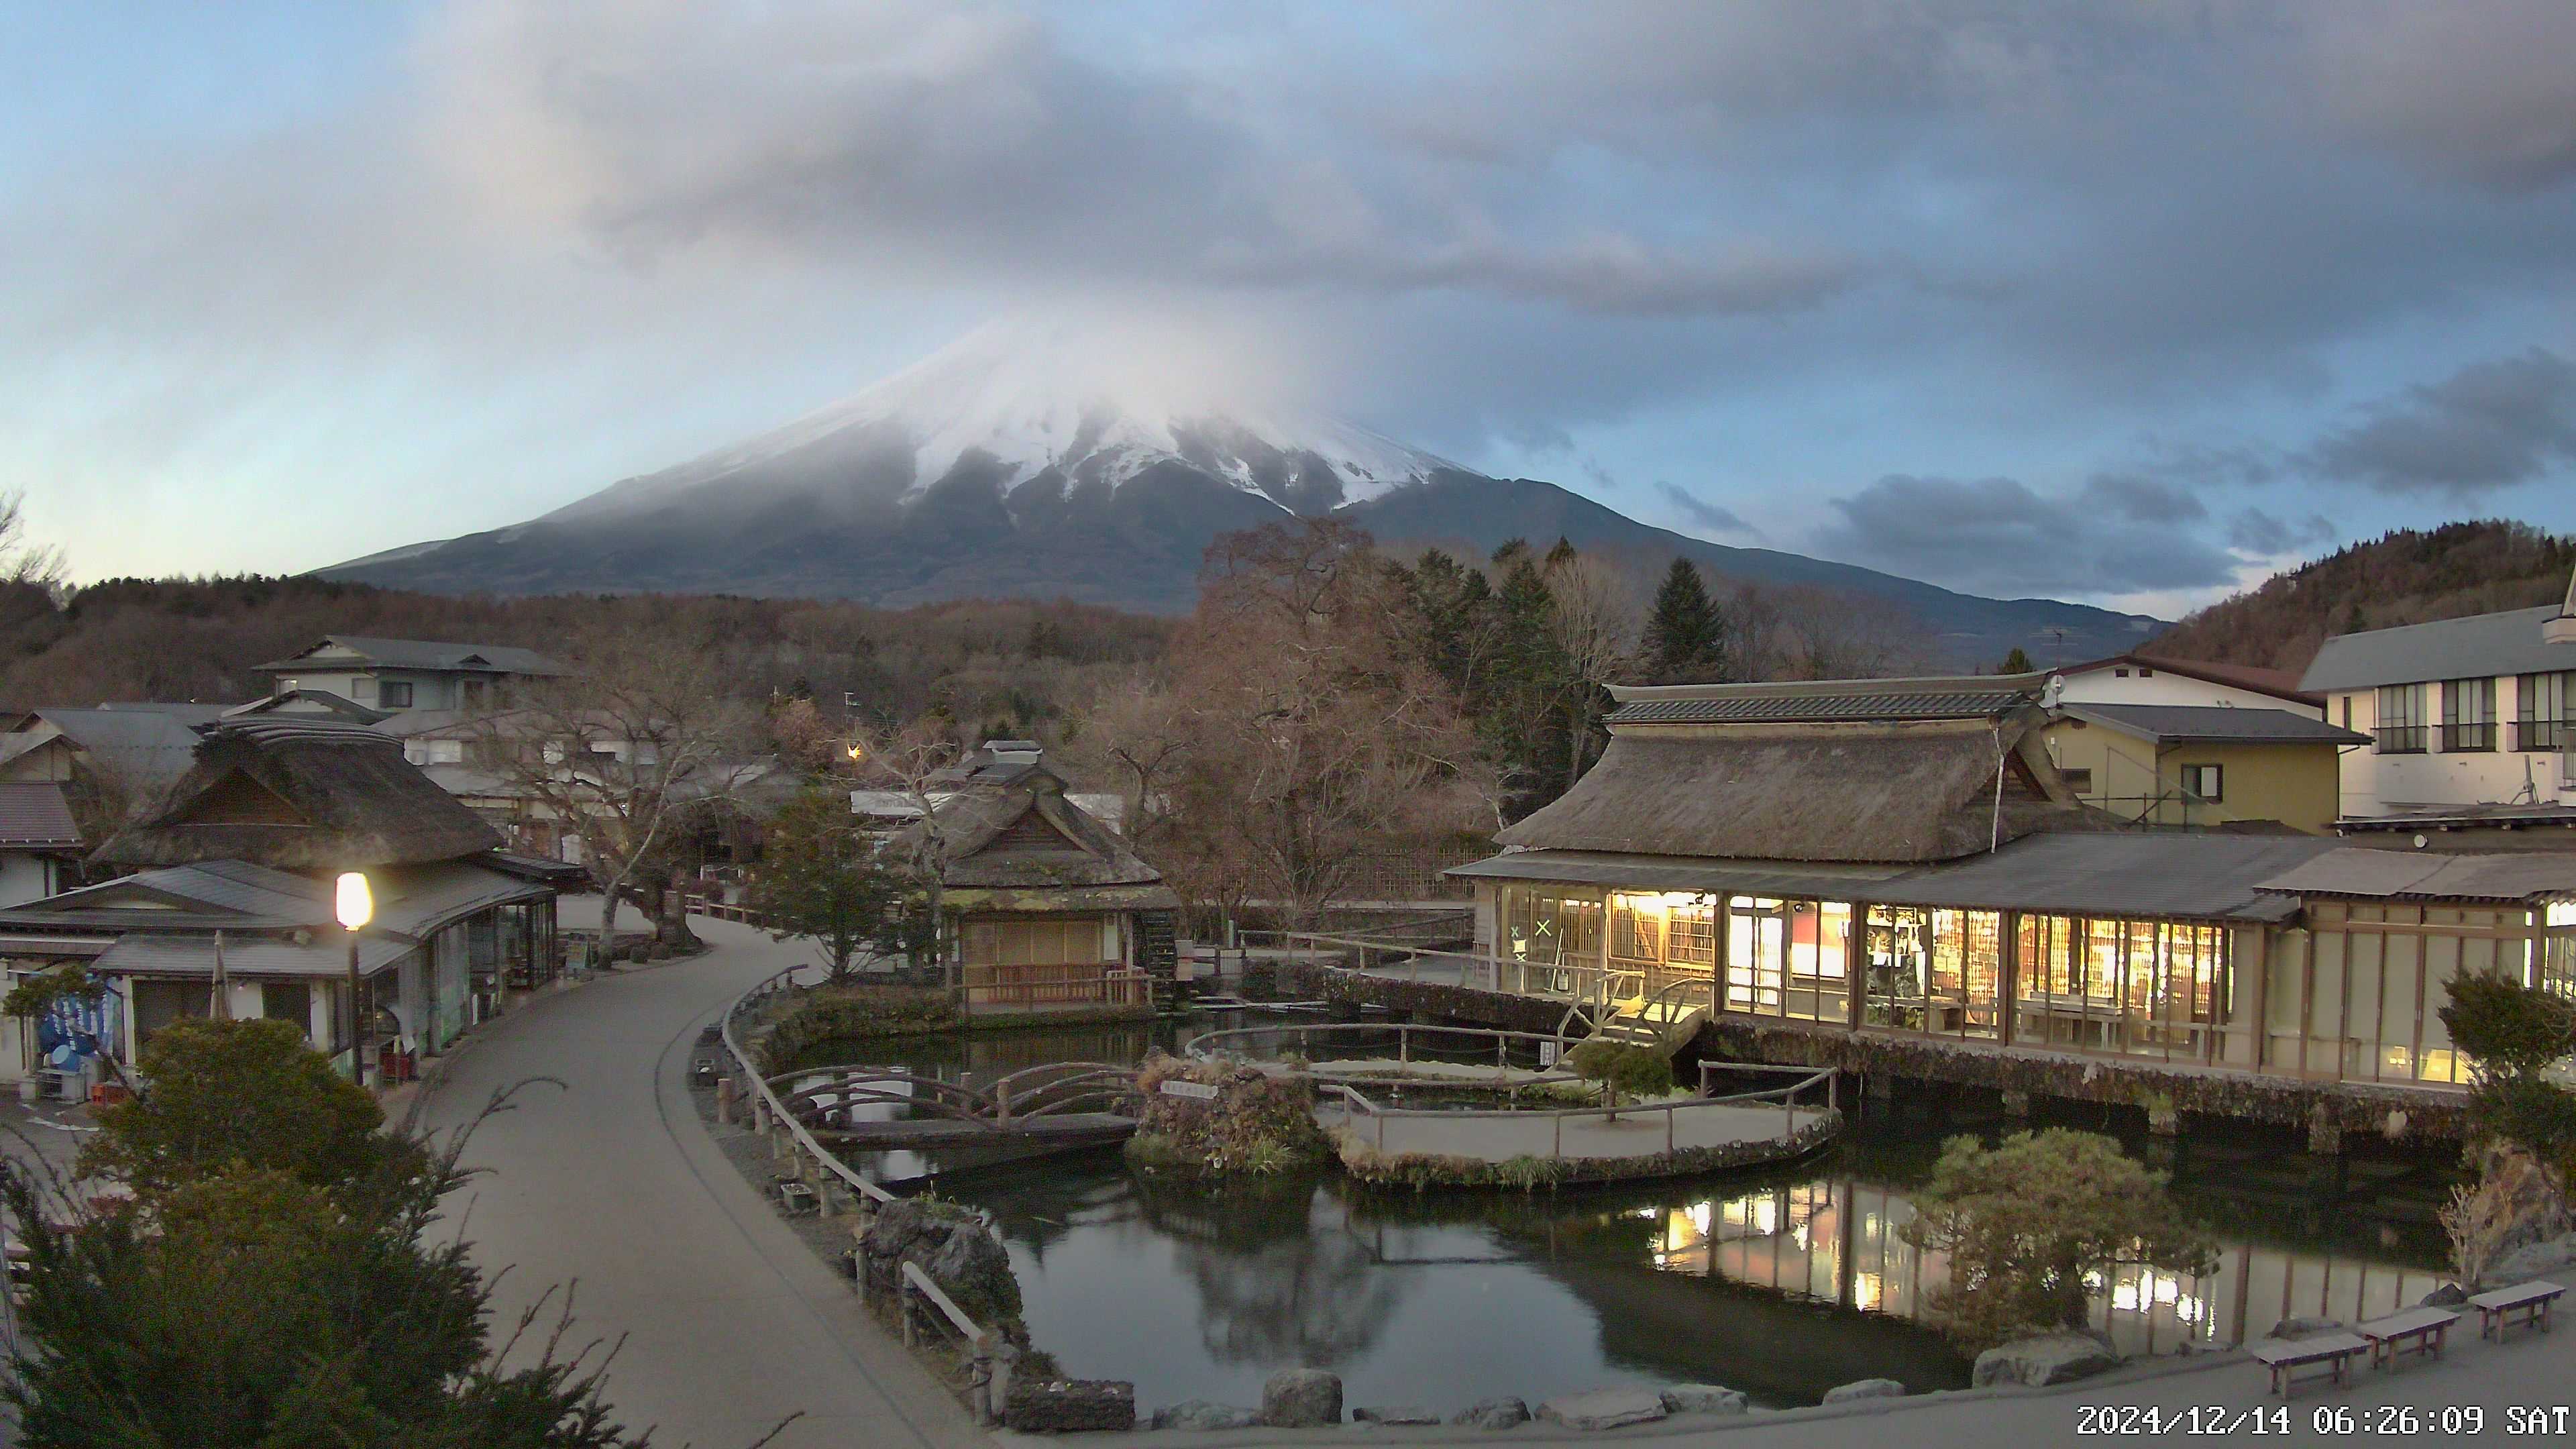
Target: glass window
pixel 2545 706
pixel 2468 714
pixel 2204 781
pixel 2401 728
pixel 394 694
pixel 1757 955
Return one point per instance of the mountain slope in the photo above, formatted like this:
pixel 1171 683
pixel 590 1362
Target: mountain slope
pixel 2406 576
pixel 977 473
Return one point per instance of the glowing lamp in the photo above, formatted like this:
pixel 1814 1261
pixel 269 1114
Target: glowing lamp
pixel 355 906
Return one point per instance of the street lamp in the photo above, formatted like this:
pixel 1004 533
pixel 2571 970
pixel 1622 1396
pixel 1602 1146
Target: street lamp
pixel 355 907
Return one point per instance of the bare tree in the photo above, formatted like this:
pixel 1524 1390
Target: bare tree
pixel 1596 615
pixel 908 760
pixel 641 729
pixel 24 564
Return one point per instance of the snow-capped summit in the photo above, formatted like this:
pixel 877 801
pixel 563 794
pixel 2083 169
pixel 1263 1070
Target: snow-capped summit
pixel 1027 400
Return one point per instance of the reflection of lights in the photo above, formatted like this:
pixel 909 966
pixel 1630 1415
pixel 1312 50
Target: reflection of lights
pixel 2167 1289
pixel 2124 1297
pixel 2092 1281
pixel 1866 1292
pixel 1798 1235
pixel 1700 1214
pixel 1645 1213
pixel 1766 1217
pixel 1869 1224
pixel 2187 1308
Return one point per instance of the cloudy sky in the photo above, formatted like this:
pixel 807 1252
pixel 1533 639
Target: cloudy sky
pixel 2124 303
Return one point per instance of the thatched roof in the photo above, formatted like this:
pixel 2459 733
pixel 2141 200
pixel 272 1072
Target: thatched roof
pixel 302 793
pixel 1846 792
pixel 1024 839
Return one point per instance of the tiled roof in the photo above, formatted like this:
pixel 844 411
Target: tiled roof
pixel 421 654
pixel 34 816
pixel 1765 708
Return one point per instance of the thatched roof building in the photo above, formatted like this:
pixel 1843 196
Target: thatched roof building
pixel 1019 844
pixel 1880 771
pixel 299 793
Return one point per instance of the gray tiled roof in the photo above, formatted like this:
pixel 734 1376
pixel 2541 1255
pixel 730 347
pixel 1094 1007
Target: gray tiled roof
pixel 2479 646
pixel 425 654
pixel 34 815
pixel 1766 708
pixel 2216 723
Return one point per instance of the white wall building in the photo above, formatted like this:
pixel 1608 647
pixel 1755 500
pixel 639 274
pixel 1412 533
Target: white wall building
pixel 2145 679
pixel 2473 720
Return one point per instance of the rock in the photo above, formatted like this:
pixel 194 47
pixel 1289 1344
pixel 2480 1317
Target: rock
pixel 1502 1413
pixel 2449 1295
pixel 2050 1358
pixel 2298 1328
pixel 1604 1408
pixel 959 1253
pixel 1406 1414
pixel 1066 1406
pixel 2530 1261
pixel 1302 1398
pixel 1859 1389
pixel 1200 1414
pixel 1702 1399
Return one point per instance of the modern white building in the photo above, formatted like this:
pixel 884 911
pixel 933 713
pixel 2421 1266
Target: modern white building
pixel 2472 724
pixel 2145 679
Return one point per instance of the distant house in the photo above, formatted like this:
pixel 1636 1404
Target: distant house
pixel 235 881
pixel 38 840
pixel 2472 726
pixel 392 675
pixel 2181 743
pixel 109 758
pixel 885 812
pixel 1049 910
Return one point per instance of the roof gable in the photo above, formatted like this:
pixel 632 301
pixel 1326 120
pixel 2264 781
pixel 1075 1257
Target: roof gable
pixel 235 799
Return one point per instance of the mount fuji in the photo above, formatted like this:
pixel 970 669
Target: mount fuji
pixel 981 472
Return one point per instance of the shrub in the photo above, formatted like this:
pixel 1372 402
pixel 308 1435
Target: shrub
pixel 2025 1222
pixel 1622 1069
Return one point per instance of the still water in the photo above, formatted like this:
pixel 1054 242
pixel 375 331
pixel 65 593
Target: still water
pixel 1782 1284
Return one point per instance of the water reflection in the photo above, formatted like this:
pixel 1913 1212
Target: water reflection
pixel 1781 1285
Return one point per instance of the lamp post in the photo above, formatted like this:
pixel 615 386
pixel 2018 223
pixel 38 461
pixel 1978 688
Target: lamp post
pixel 355 907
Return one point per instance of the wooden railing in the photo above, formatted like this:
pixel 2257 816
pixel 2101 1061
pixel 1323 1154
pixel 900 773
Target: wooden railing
pixel 1107 983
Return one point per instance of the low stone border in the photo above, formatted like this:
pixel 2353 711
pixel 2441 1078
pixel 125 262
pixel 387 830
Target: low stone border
pixel 1419 1171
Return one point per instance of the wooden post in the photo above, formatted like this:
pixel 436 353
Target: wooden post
pixel 1669 1114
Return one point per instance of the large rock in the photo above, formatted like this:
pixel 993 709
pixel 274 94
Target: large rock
pixel 2530 1261
pixel 1067 1406
pixel 1703 1399
pixel 1859 1389
pixel 1502 1413
pixel 2449 1295
pixel 2050 1358
pixel 1200 1414
pixel 1604 1408
pixel 1302 1398
pixel 1399 1414
pixel 2295 1328
pixel 954 1247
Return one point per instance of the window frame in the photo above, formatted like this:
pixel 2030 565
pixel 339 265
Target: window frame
pixel 2216 775
pixel 2469 725
pixel 394 693
pixel 2401 730
pixel 2544 712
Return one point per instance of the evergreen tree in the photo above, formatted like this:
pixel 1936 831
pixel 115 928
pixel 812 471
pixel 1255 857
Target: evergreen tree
pixel 1685 639
pixel 2017 662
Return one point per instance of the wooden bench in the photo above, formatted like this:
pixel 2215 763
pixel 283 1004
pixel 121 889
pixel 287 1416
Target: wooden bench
pixel 2426 1328
pixel 2282 1356
pixel 2497 1307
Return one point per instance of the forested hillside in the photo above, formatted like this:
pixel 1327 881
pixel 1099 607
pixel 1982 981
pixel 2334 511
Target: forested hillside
pixel 1004 667
pixel 2408 576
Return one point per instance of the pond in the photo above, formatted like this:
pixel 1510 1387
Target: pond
pixel 1782 1284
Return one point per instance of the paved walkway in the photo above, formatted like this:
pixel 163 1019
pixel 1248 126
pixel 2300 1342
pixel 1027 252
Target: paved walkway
pixel 1638 1132
pixel 611 1181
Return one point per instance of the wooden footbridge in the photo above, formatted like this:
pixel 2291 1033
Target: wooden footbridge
pixel 1060 1105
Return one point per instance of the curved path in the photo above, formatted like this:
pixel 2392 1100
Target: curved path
pixel 613 1183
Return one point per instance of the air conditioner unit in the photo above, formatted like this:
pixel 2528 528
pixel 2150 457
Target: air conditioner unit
pixel 2567 771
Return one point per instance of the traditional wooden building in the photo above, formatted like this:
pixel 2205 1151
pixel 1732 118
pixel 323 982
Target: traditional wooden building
pixel 232 908
pixel 1047 908
pixel 1892 874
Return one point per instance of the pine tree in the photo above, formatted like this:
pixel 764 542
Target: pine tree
pixel 2017 662
pixel 1685 639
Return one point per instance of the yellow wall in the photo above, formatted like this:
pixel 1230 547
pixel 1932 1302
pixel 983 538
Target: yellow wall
pixel 2291 783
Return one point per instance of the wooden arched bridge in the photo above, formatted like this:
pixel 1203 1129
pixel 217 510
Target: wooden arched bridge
pixel 1060 1104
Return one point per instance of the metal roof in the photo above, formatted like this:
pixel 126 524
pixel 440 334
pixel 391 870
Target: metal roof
pixel 418 654
pixel 2355 870
pixel 1673 873
pixel 2216 724
pixel 35 816
pixel 1763 709
pixel 2476 647
pixel 139 954
pixel 2129 874
pixel 150 745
